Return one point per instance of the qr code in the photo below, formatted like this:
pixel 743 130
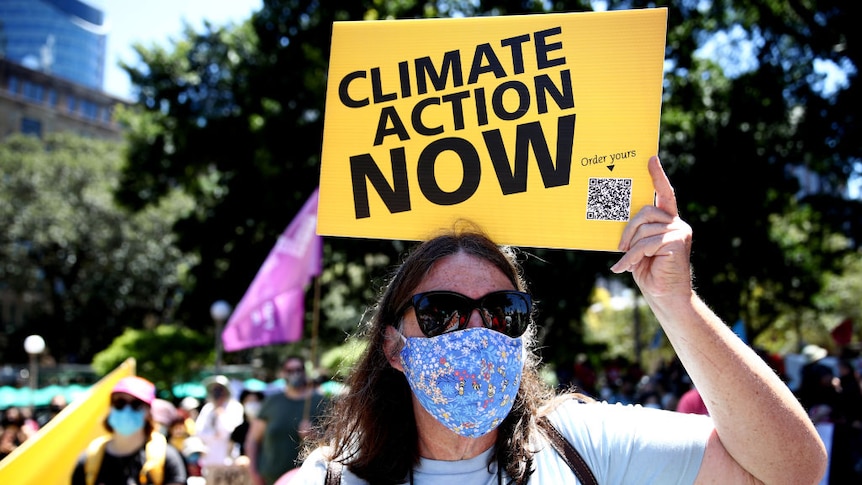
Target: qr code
pixel 609 199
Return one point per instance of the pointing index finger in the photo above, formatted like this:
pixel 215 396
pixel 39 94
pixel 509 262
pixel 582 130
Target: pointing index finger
pixel 665 198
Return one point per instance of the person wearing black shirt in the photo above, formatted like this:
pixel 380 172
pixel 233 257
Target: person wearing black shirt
pixel 251 402
pixel 122 456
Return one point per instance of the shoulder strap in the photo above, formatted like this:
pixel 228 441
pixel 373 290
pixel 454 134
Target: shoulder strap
pixel 154 466
pixel 333 473
pixel 568 452
pixel 93 462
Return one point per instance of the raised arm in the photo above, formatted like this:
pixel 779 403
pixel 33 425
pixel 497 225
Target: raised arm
pixel 762 433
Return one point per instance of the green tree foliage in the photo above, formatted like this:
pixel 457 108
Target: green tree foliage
pixel 736 138
pixel 166 354
pixel 839 298
pixel 625 326
pixel 89 267
pixel 234 116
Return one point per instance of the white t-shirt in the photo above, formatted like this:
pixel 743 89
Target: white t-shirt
pixel 621 444
pixel 214 429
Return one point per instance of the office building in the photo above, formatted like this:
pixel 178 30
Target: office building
pixel 36 103
pixel 64 38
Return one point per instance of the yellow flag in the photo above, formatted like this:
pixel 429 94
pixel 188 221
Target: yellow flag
pixel 538 128
pixel 49 457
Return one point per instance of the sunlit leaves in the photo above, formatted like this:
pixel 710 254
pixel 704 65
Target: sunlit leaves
pixel 93 266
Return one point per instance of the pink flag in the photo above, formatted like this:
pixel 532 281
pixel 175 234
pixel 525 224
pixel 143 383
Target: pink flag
pixel 272 310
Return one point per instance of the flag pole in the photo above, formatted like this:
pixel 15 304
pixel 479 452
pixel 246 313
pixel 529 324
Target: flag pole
pixel 315 319
pixel 315 323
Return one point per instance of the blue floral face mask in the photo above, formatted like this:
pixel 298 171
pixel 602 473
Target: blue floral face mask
pixel 466 379
pixel 127 421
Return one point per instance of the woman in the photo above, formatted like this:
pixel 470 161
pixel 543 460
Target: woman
pixel 221 414
pixel 448 392
pixel 133 452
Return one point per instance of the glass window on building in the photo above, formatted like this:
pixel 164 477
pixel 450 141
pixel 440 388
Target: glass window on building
pixel 71 103
pixel 107 114
pixel 13 84
pixel 29 126
pixel 89 109
pixel 66 37
pixel 33 91
pixel 52 97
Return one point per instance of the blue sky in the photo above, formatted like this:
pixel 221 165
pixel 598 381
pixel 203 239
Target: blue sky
pixel 157 22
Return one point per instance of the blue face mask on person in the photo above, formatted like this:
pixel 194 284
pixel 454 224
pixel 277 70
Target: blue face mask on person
pixel 127 421
pixel 466 379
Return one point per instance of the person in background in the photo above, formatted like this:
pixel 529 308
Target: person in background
pixel 193 451
pixel 691 403
pixel 164 412
pixel 15 429
pixel 191 406
pixel 221 414
pixel 57 404
pixel 849 407
pixel 177 430
pixel 833 404
pixel 819 385
pixel 285 419
pixel 251 402
pixel 133 452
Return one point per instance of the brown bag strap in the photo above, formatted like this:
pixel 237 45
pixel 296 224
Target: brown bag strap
pixel 333 473
pixel 568 452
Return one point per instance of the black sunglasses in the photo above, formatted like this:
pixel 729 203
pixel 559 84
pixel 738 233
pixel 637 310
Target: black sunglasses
pixel 119 403
pixel 438 312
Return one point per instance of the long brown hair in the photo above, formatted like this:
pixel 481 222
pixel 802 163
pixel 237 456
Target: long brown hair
pixel 372 429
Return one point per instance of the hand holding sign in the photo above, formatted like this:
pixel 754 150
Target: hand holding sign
pixel 658 243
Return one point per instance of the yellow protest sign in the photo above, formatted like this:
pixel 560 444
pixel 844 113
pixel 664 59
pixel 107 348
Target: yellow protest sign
pixel 536 127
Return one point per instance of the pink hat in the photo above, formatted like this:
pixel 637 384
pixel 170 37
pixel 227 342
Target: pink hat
pixel 137 387
pixel 163 411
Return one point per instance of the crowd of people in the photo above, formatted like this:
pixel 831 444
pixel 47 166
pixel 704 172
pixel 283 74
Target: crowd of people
pixel 19 423
pixel 235 435
pixel 827 385
pixel 215 433
pixel 17 426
